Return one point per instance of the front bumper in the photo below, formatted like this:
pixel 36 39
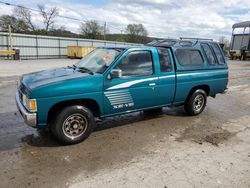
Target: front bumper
pixel 29 118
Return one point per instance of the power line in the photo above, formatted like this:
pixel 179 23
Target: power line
pixel 20 6
pixel 65 17
pixel 35 10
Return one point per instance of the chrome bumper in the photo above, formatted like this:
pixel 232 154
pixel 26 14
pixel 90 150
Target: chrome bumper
pixel 29 118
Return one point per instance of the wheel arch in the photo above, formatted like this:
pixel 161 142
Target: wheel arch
pixel 205 88
pixel 91 104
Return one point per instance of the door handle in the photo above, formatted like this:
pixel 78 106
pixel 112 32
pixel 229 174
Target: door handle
pixel 152 84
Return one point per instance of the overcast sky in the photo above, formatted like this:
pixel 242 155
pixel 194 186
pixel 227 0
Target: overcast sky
pixel 162 18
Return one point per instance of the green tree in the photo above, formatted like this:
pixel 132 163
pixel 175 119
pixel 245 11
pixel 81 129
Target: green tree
pixel 17 25
pixel 136 33
pixel 91 29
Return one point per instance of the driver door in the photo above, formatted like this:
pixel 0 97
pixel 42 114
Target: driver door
pixel 135 87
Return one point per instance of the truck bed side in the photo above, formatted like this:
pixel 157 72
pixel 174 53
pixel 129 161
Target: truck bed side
pixel 215 80
pixel 211 78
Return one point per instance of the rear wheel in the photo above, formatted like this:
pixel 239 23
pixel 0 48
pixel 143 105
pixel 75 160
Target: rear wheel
pixel 196 102
pixel 73 124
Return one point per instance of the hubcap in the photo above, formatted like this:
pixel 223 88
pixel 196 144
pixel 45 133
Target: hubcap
pixel 198 102
pixel 75 126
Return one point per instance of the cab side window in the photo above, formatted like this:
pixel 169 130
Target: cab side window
pixel 209 53
pixel 165 60
pixel 136 63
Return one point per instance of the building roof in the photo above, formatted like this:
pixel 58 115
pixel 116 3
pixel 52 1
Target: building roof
pixel 242 24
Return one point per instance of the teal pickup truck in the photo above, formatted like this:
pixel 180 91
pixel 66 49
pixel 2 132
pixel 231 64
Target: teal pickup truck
pixel 113 81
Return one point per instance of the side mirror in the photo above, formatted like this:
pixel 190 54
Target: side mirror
pixel 115 73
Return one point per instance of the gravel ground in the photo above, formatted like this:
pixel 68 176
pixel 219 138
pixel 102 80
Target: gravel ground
pixel 135 150
pixel 16 68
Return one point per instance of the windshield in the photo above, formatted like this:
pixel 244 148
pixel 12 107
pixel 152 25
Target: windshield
pixel 98 60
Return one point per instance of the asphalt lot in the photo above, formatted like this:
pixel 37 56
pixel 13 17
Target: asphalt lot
pixel 135 150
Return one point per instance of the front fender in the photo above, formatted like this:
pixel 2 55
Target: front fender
pixel 45 104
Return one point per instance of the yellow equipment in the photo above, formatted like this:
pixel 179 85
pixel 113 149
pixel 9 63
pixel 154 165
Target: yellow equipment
pixel 78 51
pixel 7 52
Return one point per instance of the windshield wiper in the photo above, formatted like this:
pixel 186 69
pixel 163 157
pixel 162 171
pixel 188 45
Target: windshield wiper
pixel 72 67
pixel 85 70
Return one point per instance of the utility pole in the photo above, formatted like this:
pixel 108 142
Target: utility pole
pixel 10 38
pixel 121 35
pixel 104 32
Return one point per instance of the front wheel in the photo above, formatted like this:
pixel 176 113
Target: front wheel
pixel 196 102
pixel 73 124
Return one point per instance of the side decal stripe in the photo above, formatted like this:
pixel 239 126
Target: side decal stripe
pixel 130 83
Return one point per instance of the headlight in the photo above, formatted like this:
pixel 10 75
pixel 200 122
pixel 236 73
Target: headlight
pixel 30 104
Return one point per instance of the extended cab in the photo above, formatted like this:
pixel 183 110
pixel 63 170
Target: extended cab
pixel 113 81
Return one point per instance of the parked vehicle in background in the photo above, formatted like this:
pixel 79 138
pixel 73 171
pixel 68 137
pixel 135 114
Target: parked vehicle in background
pixel 113 81
pixel 240 41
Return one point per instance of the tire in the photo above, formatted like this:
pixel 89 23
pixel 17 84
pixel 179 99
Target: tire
pixel 196 102
pixel 73 124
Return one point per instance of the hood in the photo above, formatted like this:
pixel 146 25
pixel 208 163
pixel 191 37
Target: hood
pixel 42 78
pixel 61 82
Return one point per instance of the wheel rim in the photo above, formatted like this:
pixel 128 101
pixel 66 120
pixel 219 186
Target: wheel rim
pixel 75 126
pixel 198 102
